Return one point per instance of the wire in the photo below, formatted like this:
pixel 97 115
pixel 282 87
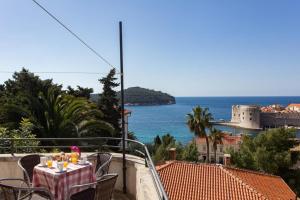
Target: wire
pixel 75 35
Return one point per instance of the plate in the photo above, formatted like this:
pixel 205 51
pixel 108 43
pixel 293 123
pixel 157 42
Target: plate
pixel 86 163
pixel 40 165
pixel 63 171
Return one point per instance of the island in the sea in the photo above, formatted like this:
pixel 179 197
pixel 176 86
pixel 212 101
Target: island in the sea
pixel 137 96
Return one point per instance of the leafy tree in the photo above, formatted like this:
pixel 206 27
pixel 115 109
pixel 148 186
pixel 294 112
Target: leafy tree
pixel 157 142
pixel 25 82
pixel 16 94
pixel 109 103
pixel 197 122
pixel 216 136
pixel 131 135
pixel 66 116
pixel 269 152
pixel 161 151
pixel 25 131
pixel 167 140
pixel 190 152
pixel 80 91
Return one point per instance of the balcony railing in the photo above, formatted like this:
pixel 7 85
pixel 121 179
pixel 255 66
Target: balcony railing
pixel 12 146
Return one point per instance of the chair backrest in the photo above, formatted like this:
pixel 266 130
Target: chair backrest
pixel 105 187
pixel 10 191
pixel 102 189
pixel 27 163
pixel 102 163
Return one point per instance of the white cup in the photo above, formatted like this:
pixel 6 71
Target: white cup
pixel 43 161
pixel 60 166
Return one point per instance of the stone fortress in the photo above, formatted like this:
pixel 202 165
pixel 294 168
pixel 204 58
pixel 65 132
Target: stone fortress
pixel 263 117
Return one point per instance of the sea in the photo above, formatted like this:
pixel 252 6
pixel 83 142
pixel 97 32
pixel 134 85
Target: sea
pixel 148 121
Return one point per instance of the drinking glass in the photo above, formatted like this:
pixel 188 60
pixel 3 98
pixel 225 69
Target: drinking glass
pixel 49 163
pixel 65 164
pixel 74 160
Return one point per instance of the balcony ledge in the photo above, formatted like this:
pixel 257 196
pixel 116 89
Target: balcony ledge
pixel 140 184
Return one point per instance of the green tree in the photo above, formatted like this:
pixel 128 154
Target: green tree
pixel 67 116
pixel 53 112
pixel 157 142
pixel 16 94
pixel 109 103
pixel 197 122
pixel 80 91
pixel 25 131
pixel 190 152
pixel 167 140
pixel 161 151
pixel 269 152
pixel 216 137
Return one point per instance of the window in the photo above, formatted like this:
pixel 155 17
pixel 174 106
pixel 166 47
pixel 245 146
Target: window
pixel 221 160
pixel 243 113
pixel 250 114
pixel 243 117
pixel 204 148
pixel 250 118
pixel 221 149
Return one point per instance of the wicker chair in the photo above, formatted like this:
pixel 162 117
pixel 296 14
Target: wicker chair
pixel 101 162
pixel 27 163
pixel 102 189
pixel 10 191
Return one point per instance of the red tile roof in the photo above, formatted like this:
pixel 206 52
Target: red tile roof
pixel 183 181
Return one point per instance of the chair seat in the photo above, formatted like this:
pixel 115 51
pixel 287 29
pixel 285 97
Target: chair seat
pixel 87 194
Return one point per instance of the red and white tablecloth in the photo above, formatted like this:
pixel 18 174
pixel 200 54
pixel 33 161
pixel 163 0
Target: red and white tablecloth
pixel 59 183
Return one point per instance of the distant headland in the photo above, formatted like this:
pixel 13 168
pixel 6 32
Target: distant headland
pixel 138 96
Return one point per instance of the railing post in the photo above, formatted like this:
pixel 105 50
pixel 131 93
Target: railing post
pixel 146 163
pixel 12 147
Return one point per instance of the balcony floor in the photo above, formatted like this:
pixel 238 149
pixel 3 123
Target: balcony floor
pixel 116 196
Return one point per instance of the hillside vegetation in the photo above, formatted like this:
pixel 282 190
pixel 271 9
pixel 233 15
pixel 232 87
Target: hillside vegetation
pixel 143 96
pixel 135 96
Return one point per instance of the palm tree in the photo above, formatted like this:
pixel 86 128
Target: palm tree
pixel 216 136
pixel 56 114
pixel 61 115
pixel 197 122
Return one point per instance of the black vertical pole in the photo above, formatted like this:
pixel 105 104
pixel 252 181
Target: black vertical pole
pixel 122 108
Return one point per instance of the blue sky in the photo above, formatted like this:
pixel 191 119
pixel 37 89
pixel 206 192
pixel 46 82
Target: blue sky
pixel 185 48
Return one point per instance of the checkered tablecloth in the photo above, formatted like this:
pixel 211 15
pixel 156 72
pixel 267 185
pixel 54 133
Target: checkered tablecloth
pixel 59 183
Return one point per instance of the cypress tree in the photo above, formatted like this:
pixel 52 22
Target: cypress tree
pixel 108 102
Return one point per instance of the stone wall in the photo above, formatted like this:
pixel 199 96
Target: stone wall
pixel 273 120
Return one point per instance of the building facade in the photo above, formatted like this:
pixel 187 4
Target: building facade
pixel 294 107
pixel 273 116
pixel 229 141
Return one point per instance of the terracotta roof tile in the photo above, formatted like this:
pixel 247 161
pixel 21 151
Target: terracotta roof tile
pixel 191 181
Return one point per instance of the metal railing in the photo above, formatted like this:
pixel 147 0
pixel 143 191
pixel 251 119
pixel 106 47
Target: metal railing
pixel 9 144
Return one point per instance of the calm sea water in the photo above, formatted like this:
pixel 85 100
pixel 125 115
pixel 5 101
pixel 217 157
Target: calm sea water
pixel 148 121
